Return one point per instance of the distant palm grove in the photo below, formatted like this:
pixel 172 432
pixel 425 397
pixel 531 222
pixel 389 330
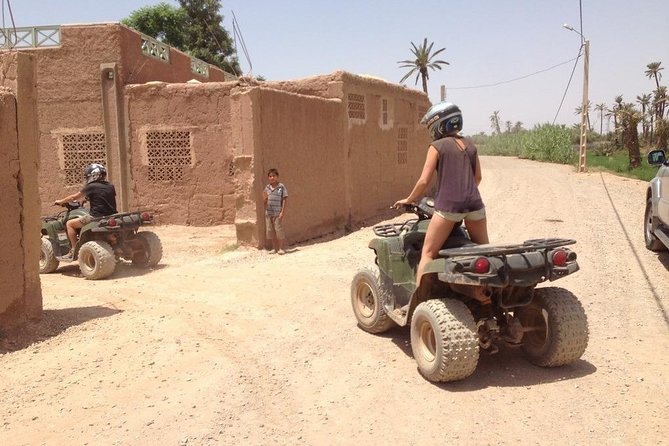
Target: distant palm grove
pixel 643 123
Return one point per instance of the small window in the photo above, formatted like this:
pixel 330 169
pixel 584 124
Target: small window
pixel 80 150
pixel 356 106
pixel 402 145
pixel 169 153
pixel 384 111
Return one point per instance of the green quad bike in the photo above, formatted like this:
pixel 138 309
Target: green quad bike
pixel 471 298
pixel 101 243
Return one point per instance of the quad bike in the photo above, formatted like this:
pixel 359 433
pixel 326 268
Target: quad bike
pixel 101 243
pixel 471 298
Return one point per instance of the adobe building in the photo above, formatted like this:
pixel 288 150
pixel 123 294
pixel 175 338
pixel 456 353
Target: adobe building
pixel 193 143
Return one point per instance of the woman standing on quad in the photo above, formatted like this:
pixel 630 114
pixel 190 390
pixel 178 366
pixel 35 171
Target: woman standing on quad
pixel 456 162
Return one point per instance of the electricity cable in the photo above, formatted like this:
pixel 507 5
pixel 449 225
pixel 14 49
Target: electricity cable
pixel 515 79
pixel 571 76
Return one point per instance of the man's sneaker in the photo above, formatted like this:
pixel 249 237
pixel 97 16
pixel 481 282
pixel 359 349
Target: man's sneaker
pixel 67 257
pixel 282 251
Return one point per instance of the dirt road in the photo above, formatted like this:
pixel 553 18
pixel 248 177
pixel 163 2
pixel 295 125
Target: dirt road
pixel 219 346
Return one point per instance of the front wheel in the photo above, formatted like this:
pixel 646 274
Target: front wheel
pixel 151 252
pixel 555 327
pixel 96 260
pixel 367 297
pixel 652 243
pixel 48 262
pixel 444 340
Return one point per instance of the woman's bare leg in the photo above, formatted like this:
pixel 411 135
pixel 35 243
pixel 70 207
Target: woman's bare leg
pixel 478 231
pixel 437 233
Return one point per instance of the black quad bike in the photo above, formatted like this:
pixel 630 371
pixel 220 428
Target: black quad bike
pixel 101 243
pixel 471 298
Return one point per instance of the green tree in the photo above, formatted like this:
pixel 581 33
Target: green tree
pixel 207 38
pixel 577 111
pixel 629 121
pixel 163 22
pixel 423 59
pixel 644 101
pixel 194 28
pixel 494 123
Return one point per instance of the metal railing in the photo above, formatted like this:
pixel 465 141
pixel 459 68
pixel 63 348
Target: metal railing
pixel 30 37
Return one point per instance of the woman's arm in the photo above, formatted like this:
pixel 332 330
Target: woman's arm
pixel 429 167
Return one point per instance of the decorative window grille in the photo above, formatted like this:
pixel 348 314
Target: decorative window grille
pixel 356 106
pixel 199 67
pixel 79 150
pixel 402 145
pixel 384 111
pixel 152 48
pixel 168 154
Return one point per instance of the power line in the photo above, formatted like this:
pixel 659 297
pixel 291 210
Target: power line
pixel 237 35
pixel 515 79
pixel 571 76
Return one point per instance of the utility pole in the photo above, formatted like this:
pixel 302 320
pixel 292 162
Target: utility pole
pixel 584 106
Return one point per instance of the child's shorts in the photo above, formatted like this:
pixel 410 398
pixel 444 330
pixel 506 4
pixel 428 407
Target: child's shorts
pixel 273 225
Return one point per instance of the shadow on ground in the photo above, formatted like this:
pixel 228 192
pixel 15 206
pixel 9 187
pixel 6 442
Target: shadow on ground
pixel 123 270
pixel 507 368
pixel 52 324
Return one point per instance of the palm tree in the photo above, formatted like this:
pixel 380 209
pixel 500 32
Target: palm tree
pixel 579 109
pixel 644 102
pixel 494 122
pixel 629 120
pixel 653 71
pixel 616 108
pixel 423 60
pixel 601 108
pixel 660 101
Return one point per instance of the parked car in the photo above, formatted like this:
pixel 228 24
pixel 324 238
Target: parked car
pixel 656 224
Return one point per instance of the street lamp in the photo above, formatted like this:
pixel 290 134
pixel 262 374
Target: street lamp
pixel 584 107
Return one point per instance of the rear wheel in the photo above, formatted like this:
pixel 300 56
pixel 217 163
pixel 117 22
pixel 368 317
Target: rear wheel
pixel 96 260
pixel 48 262
pixel 367 297
pixel 556 327
pixel 444 340
pixel 652 243
pixel 151 252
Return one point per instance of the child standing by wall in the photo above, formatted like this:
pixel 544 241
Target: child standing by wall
pixel 275 195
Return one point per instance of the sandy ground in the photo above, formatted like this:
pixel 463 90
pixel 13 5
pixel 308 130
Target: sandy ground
pixel 219 345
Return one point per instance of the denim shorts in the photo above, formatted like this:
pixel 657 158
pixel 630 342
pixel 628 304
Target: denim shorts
pixel 458 216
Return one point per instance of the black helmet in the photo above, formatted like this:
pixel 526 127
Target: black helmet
pixel 94 172
pixel 442 119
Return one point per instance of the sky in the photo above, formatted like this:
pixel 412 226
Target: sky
pixel 511 56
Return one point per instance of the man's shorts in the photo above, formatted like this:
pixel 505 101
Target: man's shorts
pixel 458 216
pixel 273 225
pixel 85 219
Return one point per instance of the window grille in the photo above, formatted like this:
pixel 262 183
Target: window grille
pixel 356 106
pixel 80 150
pixel 169 153
pixel 384 111
pixel 402 145
pixel 152 48
pixel 199 67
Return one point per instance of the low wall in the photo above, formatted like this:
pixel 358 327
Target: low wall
pixel 20 290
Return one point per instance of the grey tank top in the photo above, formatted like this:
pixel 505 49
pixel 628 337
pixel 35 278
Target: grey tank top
pixel 457 190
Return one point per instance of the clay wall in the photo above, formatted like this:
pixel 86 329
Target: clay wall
pixel 20 290
pixel 304 138
pixel 180 155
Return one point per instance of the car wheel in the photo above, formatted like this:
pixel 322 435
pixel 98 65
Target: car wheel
pixel 652 242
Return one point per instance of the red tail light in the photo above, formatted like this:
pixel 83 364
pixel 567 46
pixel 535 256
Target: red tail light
pixel 560 257
pixel 112 222
pixel 146 216
pixel 481 265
